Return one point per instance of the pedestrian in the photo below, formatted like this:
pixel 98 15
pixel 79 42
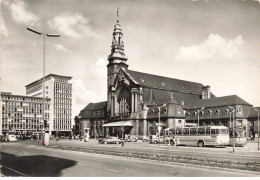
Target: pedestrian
pixel 169 143
pixel 177 141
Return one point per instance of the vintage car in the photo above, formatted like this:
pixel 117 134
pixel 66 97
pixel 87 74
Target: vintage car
pixel 153 139
pixel 109 140
pixel 11 138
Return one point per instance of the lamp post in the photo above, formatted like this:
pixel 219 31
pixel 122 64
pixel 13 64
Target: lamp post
pixel 199 115
pixel 257 126
pixel 159 119
pixel 233 126
pixel 43 87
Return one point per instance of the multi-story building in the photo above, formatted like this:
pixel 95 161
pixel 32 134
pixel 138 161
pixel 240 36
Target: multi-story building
pixel 23 114
pixel 59 89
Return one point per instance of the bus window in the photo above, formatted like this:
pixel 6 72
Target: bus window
pixel 217 131
pixel 207 130
pixel 224 131
pixel 193 131
pixel 201 130
pixel 185 131
pixel 178 131
pixel 213 131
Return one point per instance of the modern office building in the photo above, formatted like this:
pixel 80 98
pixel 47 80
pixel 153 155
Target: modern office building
pixel 59 89
pixel 23 114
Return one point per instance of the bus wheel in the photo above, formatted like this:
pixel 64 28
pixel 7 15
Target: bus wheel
pixel 201 144
pixel 155 142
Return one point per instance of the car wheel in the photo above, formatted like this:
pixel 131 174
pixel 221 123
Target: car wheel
pixel 105 142
pixel 155 142
pixel 201 144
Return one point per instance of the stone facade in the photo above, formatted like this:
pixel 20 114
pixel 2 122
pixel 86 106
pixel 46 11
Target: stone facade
pixel 138 103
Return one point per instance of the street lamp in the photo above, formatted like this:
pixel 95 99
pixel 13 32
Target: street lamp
pixel 43 87
pixel 257 126
pixel 159 119
pixel 199 115
pixel 233 126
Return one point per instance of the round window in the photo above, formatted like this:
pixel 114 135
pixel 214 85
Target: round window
pixel 179 121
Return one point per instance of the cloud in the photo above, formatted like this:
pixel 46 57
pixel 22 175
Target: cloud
pixel 214 47
pixel 94 89
pixel 72 25
pixel 21 15
pixel 60 47
pixel 3 29
pixel 100 68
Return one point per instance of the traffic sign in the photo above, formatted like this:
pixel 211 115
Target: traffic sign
pixel 122 128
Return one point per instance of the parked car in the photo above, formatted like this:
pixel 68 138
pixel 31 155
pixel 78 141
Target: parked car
pixel 109 140
pixel 153 139
pixel 3 138
pixel 145 139
pixel 12 138
pixel 132 139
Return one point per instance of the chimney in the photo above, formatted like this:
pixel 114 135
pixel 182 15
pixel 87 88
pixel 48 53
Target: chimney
pixel 206 92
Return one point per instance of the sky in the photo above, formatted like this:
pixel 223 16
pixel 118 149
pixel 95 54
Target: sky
pixel 213 42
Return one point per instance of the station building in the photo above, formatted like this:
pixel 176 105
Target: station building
pixel 137 101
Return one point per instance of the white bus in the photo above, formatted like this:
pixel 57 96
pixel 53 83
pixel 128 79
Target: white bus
pixel 199 136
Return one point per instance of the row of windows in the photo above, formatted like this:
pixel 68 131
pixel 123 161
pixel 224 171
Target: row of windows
pixel 58 101
pixel 21 104
pixel 15 98
pixel 24 110
pixel 165 110
pixel 209 112
pixel 62 86
pixel 26 127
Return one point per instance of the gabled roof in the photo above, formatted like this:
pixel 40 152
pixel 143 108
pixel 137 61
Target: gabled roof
pixel 216 102
pixel 166 83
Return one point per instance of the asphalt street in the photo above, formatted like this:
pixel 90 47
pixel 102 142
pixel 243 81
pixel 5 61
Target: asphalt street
pixel 24 159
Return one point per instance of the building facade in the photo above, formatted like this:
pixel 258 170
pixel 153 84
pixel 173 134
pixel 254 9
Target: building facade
pixel 23 114
pixel 59 89
pixel 140 104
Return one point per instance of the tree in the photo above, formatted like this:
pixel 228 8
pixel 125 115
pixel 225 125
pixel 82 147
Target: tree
pixel 75 128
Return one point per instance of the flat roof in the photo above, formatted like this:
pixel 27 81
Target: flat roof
pixel 46 77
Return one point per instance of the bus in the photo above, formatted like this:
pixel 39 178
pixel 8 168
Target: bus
pixel 239 138
pixel 199 136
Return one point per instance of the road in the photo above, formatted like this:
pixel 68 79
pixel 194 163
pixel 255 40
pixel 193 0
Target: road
pixel 21 159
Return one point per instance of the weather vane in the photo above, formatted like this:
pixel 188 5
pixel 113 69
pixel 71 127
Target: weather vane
pixel 117 14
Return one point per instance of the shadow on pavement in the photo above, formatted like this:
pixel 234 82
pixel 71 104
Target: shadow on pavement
pixel 35 166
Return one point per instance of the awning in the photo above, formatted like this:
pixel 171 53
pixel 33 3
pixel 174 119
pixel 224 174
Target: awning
pixel 118 123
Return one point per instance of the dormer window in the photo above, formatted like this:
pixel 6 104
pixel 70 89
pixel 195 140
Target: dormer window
pixel 179 110
pixel 201 113
pixel 187 113
pixel 163 83
pixel 195 113
pixel 217 111
pixel 209 112
pixel 152 111
pixel 94 113
pixel 226 110
pixel 239 110
pixel 142 80
pixel 165 110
